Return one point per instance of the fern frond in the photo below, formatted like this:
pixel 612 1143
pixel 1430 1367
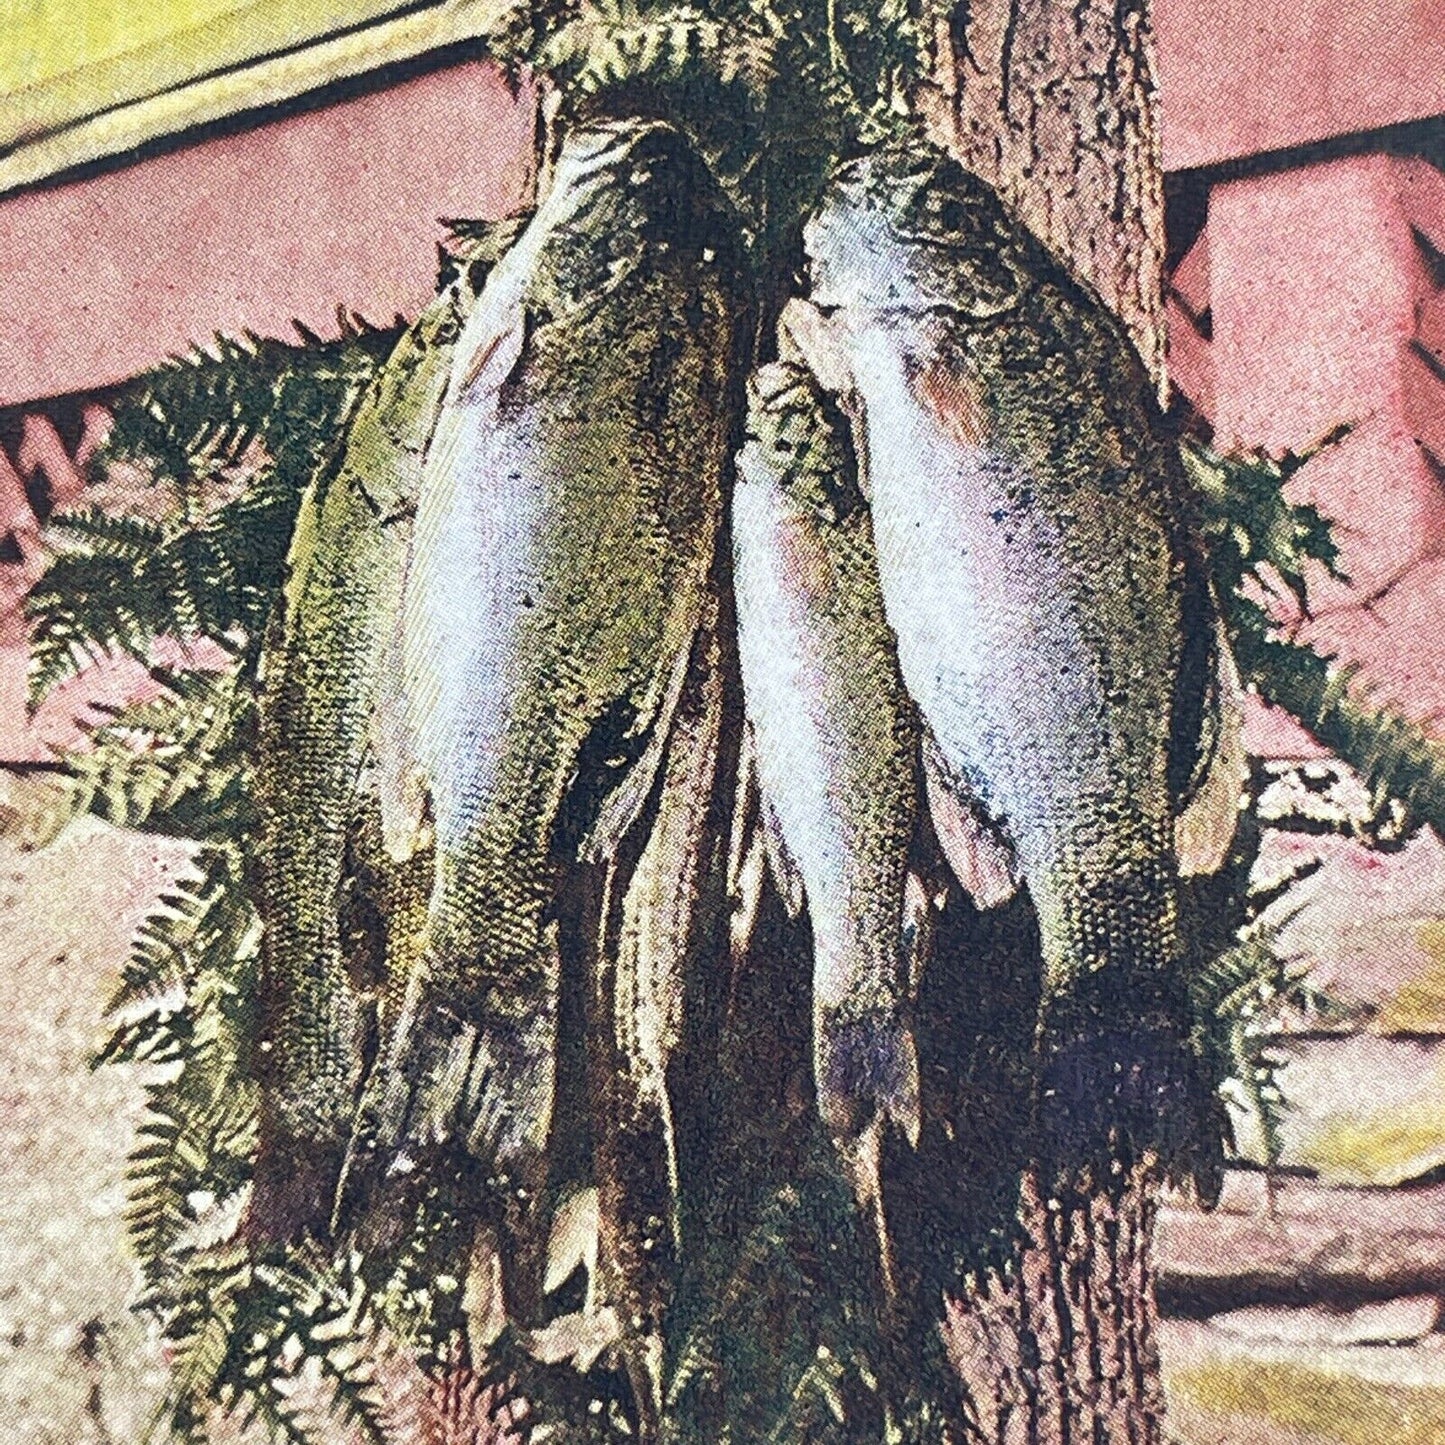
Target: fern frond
pixel 204 925
pixel 788 1348
pixel 608 43
pixel 213 568
pixel 175 764
pixel 185 999
pixel 1260 542
pixel 198 413
pixel 1255 533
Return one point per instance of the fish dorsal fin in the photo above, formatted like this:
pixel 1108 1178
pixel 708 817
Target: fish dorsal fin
pixel 747 856
pixel 780 861
pixel 980 856
pixel 805 337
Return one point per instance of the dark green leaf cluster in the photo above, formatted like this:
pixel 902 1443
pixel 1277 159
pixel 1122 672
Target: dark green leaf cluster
pixel 789 1348
pixel 243 1331
pixel 286 1343
pixel 1260 543
pixel 771 91
pixel 235 434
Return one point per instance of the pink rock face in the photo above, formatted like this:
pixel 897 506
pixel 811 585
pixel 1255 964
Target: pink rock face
pixel 1318 1238
pixel 1397 641
pixel 1240 77
pixel 337 207
pixel 1312 287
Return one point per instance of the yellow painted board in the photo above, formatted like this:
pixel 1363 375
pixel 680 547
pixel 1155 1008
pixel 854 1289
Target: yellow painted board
pixel 62 62
pixel 270 80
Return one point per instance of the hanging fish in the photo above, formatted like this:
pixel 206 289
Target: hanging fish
pixel 836 749
pixel 662 943
pixel 558 573
pixel 1035 564
pixel 323 676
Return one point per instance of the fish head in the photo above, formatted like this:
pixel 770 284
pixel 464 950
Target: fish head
pixel 795 444
pixel 905 229
pixel 593 156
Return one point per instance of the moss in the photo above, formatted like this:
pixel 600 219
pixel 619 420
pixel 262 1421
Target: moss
pixel 1332 1407
pixel 1419 1007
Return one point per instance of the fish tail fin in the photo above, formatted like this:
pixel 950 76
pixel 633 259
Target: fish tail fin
pixel 862 1160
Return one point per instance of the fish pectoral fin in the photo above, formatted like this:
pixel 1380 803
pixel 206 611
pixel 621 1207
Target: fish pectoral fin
pixel 624 805
pixel 493 362
pixel 805 335
pixel 758 846
pixel 445 1084
pixel 1205 825
pixel 981 858
pixel 920 907
pixel 483 1296
pixel 484 243
pixel 572 1241
pixel 580 1338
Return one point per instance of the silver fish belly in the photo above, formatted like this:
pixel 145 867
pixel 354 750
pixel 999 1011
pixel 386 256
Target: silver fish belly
pixel 835 745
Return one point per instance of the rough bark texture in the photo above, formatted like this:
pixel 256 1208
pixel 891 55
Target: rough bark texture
pixel 1061 1345
pixel 1053 105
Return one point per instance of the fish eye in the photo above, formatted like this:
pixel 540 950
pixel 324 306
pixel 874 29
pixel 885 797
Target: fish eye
pixel 952 214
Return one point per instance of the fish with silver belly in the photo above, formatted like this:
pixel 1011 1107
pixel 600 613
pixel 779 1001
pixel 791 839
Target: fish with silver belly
pixel 1029 516
pixel 558 572
pixel 836 751
pixel 323 677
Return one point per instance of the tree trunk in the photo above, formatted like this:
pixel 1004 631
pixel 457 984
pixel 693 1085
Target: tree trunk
pixel 1060 1345
pixel 1053 105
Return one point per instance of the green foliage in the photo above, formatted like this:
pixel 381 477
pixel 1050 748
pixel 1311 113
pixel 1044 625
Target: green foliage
pixel 1259 541
pixel 176 764
pixel 288 1343
pixel 235 434
pixel 1396 758
pixel 185 1000
pixel 771 91
pixel 789 1348
pixel 1260 546
pixel 287 1340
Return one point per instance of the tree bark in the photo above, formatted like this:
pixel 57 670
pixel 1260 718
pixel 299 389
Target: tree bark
pixel 1060 1345
pixel 1054 105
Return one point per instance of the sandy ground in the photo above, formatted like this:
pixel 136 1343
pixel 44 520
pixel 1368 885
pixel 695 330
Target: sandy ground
pixel 77 1366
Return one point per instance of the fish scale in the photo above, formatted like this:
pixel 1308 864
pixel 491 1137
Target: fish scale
pixel 566 527
pixel 1031 526
pixel 836 751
